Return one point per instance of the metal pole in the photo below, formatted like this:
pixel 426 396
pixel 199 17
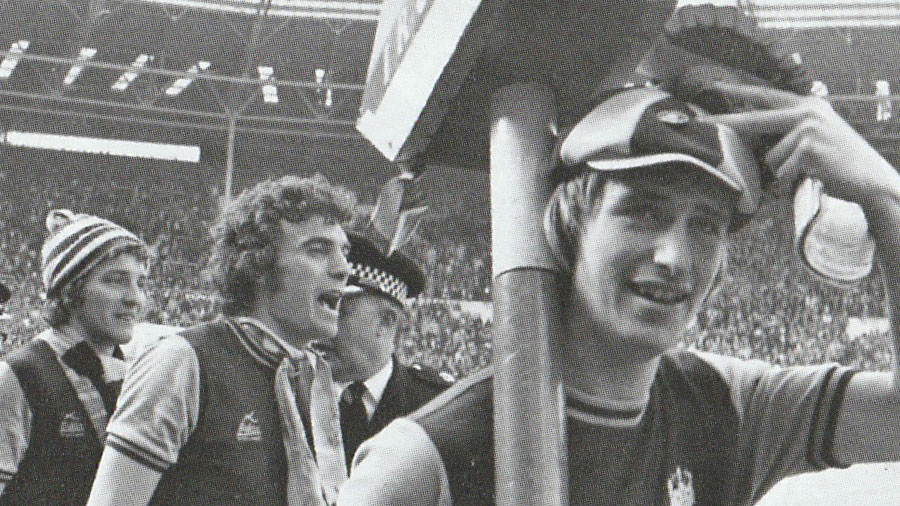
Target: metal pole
pixel 529 406
pixel 229 160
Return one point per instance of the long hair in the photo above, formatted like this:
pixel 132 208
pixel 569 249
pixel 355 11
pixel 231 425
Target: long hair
pixel 570 207
pixel 247 229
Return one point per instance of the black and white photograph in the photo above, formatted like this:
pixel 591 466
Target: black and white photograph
pixel 449 252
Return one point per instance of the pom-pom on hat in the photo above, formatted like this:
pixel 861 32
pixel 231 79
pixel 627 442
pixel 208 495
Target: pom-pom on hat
pixel 77 243
pixel 395 276
pixel 643 126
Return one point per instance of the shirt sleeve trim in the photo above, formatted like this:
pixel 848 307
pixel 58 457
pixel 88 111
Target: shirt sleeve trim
pixel 828 406
pixel 136 454
pixel 831 426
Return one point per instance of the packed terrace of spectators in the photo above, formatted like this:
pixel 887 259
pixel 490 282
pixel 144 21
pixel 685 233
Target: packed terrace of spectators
pixel 768 307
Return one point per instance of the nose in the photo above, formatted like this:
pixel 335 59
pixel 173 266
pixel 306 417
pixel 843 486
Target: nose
pixel 340 267
pixel 134 295
pixel 673 249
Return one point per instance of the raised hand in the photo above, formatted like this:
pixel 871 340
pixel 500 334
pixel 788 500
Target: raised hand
pixel 814 142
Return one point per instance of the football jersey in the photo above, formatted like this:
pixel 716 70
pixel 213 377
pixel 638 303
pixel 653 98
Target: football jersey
pixel 716 431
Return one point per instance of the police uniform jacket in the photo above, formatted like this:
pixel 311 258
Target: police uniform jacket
pixel 409 387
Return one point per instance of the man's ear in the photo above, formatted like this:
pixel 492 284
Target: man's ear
pixel 389 317
pixel 71 296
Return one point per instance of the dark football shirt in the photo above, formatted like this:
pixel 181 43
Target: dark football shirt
pixel 717 430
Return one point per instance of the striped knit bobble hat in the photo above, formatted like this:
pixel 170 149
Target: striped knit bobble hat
pixel 77 243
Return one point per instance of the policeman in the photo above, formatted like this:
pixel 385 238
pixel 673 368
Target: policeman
pixel 374 386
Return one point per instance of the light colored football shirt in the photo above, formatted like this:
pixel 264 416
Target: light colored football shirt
pixel 159 405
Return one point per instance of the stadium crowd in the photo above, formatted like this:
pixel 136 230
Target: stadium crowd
pixel 768 308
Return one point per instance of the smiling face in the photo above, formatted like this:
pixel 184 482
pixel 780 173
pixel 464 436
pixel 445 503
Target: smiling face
pixel 301 298
pixel 112 300
pixel 648 257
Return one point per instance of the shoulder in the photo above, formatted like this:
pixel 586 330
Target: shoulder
pixel 30 354
pixel 169 347
pixel 399 465
pixel 35 367
pixel 158 406
pixel 146 334
pixel 707 378
pixel 430 377
pixel 11 392
pixel 461 416
pixel 198 334
pixel 698 366
pixel 750 384
pixel 171 359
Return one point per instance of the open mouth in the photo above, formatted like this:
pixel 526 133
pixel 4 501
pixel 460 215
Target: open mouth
pixel 331 300
pixel 660 293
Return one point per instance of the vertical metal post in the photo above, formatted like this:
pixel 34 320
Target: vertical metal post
pixel 229 159
pixel 529 406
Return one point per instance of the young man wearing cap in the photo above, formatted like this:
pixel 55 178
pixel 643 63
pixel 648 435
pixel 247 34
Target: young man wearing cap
pixel 639 229
pixel 373 386
pixel 229 412
pixel 58 391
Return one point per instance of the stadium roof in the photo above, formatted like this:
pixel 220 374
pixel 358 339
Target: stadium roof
pixel 191 63
pixel 287 68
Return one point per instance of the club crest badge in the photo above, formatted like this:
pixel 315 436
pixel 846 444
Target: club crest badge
pixel 72 426
pixel 248 430
pixel 681 488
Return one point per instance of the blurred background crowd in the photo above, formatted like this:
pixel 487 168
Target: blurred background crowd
pixel 768 307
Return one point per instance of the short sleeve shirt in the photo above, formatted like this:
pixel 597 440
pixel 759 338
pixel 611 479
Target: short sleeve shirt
pixel 159 404
pixel 15 423
pixel 717 431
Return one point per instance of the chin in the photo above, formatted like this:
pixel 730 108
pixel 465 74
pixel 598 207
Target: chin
pixel 324 332
pixel 649 338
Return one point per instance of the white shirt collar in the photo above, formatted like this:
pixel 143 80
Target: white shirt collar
pixel 375 387
pixel 60 342
pixel 378 381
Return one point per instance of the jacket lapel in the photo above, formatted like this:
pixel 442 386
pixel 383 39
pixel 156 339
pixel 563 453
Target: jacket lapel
pixel 394 399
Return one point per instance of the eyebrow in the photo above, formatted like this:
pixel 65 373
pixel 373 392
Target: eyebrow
pixel 343 245
pixel 119 272
pixel 651 194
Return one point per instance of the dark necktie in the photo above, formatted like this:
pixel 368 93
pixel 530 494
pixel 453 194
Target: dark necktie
pixel 82 359
pixel 354 419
